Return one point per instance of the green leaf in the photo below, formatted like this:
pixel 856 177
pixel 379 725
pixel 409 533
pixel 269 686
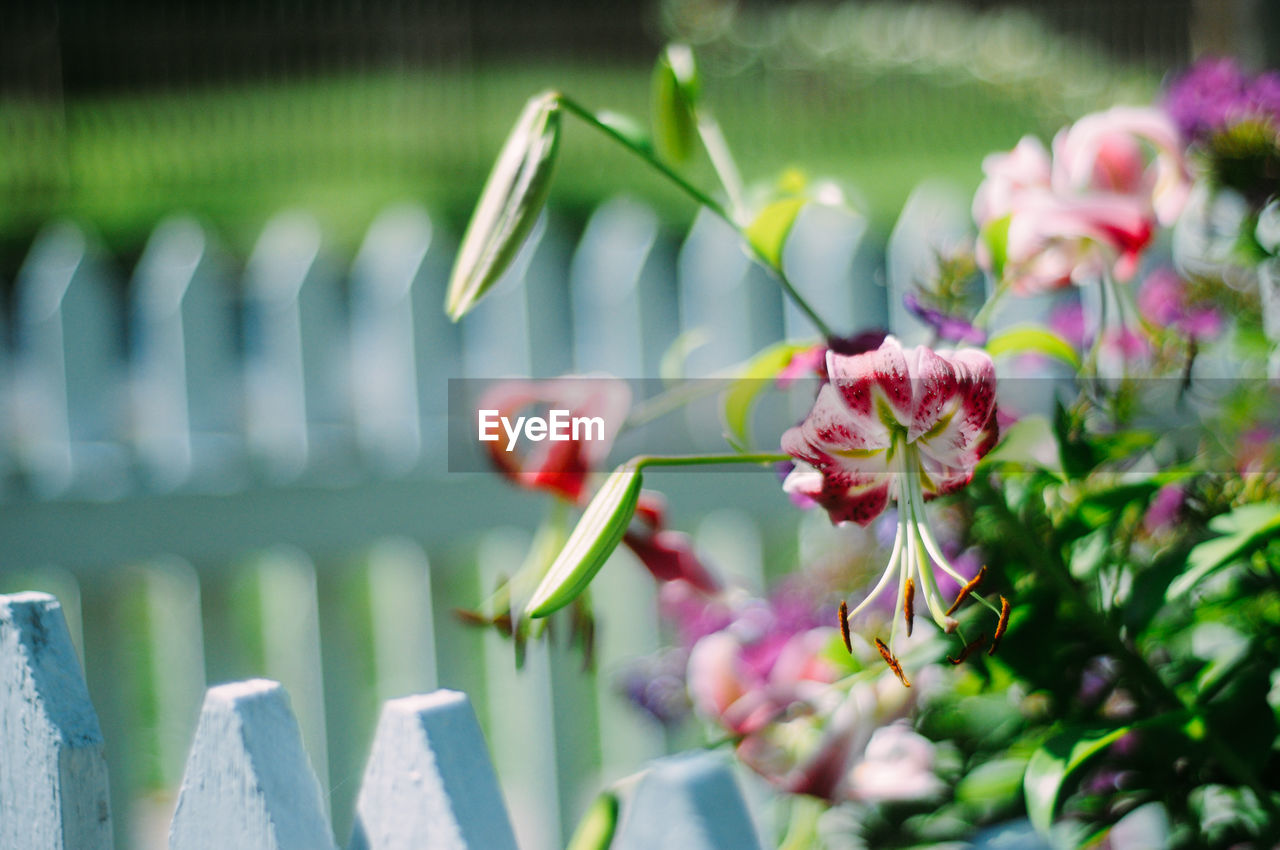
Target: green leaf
pixel 1033 338
pixel 590 544
pixel 1029 442
pixel 752 379
pixel 509 205
pixel 996 236
pixel 768 233
pixel 676 88
pixel 595 830
pixel 1245 529
pixel 1053 764
pixel 626 127
pixel 992 782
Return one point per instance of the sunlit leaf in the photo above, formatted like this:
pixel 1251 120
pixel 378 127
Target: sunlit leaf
pixel 676 87
pixel 590 544
pixel 1053 764
pixel 992 782
pixel 626 127
pixel 768 233
pixel 1029 441
pixel 995 235
pixel 752 379
pixel 595 830
pixel 1025 339
pixel 1244 529
pixel 509 205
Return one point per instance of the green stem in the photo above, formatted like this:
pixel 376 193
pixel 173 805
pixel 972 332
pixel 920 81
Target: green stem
pixel 984 312
pixel 1133 661
pixel 641 461
pixel 702 198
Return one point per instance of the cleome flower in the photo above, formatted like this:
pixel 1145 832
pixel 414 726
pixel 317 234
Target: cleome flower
pixel 901 425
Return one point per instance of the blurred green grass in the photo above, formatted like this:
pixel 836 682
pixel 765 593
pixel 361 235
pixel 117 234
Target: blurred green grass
pixel 346 146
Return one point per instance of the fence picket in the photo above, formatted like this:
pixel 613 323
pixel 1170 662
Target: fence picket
pixel 53 777
pixel 275 384
pixel 68 388
pixel 429 783
pixel 820 261
pixel 289 616
pixel 248 783
pixel 158 358
pixel 604 281
pixel 384 383
pixel 690 801
pixel 934 218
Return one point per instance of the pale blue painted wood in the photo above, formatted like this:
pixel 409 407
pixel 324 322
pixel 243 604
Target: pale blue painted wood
pixel 275 386
pixel 248 783
pixel 690 801
pixel 819 258
pixel 158 355
pixel 934 218
pixel 429 784
pixel 53 778
pixel 400 608
pixel 713 274
pixel 289 618
pixel 604 281
pixel 69 392
pixel 495 335
pixel 519 707
pixel 384 381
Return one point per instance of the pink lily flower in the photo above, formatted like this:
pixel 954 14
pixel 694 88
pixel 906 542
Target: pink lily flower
pixel 560 466
pixel 1107 152
pixel 907 425
pixel 1092 208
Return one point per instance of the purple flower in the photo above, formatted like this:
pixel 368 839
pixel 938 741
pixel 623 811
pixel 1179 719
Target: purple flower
pixel 1164 300
pixel 1215 94
pixel 948 328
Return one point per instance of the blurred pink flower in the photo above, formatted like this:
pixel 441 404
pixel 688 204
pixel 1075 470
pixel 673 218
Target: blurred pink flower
pixel 896 766
pixel 667 555
pixel 1089 210
pixel 558 466
pixel 1129 151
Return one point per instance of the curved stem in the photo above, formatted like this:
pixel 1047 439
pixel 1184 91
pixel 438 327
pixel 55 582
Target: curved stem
pixel 641 461
pixel 577 109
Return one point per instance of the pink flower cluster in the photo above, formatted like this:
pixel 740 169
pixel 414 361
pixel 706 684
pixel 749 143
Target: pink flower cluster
pixel 766 672
pixel 1090 209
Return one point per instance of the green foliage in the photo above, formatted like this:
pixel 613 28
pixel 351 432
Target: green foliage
pixel 590 544
pixel 511 201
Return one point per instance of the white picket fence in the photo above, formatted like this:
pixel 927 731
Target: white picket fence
pixel 248 783
pixel 229 474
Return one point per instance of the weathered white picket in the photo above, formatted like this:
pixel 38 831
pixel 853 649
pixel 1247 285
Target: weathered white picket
pixel 237 475
pixel 428 782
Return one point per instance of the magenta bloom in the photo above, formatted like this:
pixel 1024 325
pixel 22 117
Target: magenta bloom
pixel 888 412
pixel 1216 94
pixel 1164 300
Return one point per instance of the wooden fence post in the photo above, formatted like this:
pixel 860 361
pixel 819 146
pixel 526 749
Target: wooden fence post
pixel 53 778
pixel 429 783
pixel 690 801
pixel 248 783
